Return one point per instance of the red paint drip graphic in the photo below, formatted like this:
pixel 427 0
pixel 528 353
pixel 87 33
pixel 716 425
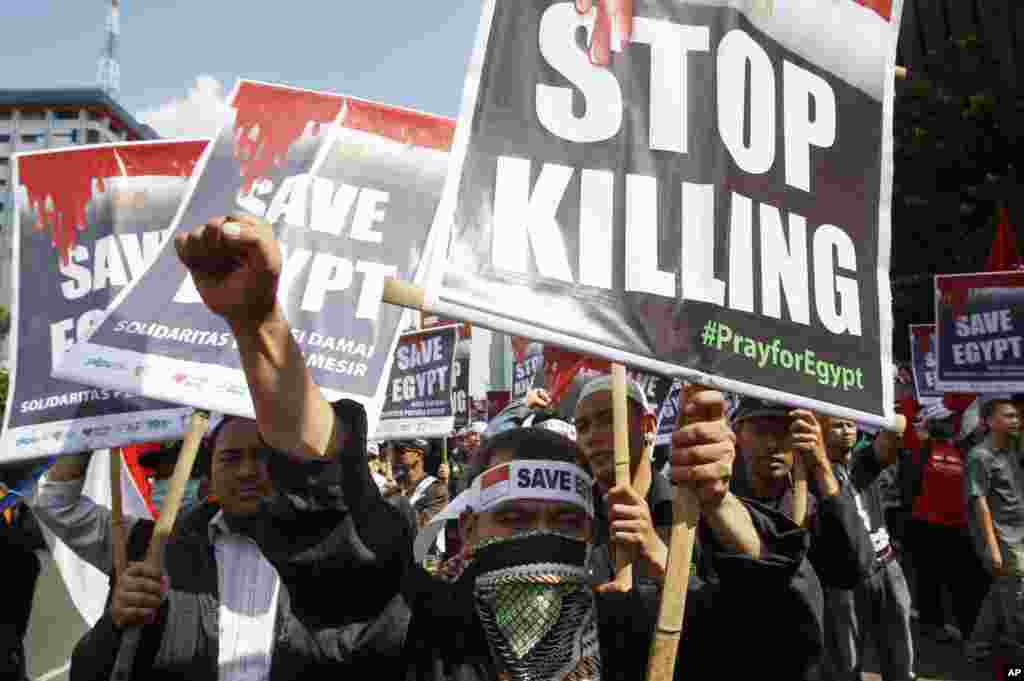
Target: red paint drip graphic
pixel 882 8
pixel 61 184
pixel 270 119
pixel 400 125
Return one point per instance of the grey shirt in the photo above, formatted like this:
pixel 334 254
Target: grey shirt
pixel 996 474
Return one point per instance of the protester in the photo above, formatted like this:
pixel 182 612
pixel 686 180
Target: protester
pixel 769 439
pixel 940 543
pixel 995 502
pixel 295 574
pixel 635 517
pixel 426 493
pixel 19 541
pixel 161 462
pixel 522 606
pixel 879 605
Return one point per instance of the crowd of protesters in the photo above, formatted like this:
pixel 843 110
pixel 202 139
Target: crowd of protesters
pixel 306 550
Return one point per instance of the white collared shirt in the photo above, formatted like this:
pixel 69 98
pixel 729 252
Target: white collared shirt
pixel 249 588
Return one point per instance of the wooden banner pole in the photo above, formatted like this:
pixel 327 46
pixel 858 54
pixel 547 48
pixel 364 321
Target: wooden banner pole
pixel 118 536
pixel 162 531
pixel 685 516
pixel 799 490
pixel 623 579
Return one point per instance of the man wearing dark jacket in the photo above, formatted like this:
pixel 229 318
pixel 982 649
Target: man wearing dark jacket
pixel 297 573
pixel 19 540
pixel 769 438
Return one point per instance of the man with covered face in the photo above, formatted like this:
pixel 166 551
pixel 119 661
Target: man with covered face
pixel 523 607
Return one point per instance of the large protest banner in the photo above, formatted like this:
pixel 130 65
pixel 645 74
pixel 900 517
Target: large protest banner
pixel 87 221
pixel 923 362
pixel 351 188
pixel 712 206
pixel 980 324
pixel 418 400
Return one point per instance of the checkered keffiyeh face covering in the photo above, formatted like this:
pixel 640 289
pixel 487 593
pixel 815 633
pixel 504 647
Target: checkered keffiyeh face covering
pixel 535 603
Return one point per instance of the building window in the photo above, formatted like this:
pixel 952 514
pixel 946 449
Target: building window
pixel 3 182
pixel 4 160
pixel 94 116
pixel 92 136
pixel 31 139
pixel 33 115
pixel 5 115
pixel 5 139
pixel 67 115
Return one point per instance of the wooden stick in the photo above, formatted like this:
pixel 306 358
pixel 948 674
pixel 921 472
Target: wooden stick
pixel 118 536
pixel 397 292
pixel 162 531
pixel 620 414
pixel 685 516
pixel 444 452
pixel 799 490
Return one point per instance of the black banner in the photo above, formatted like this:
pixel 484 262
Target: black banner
pixel 713 205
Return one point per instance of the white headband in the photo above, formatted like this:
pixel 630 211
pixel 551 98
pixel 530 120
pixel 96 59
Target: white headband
pixel 522 479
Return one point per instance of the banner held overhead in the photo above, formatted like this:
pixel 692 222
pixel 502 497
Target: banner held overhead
pixel 713 206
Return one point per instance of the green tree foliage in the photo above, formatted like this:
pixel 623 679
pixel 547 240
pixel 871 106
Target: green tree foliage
pixel 954 152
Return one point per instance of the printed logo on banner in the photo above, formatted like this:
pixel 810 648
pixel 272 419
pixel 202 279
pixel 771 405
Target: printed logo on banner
pixel 586 212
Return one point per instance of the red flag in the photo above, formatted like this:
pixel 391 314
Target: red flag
pixel 882 8
pixel 130 454
pixel 1004 254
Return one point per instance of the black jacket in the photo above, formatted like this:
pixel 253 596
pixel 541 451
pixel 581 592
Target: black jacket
pixel 340 550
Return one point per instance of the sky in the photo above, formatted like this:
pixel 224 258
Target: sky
pixel 179 60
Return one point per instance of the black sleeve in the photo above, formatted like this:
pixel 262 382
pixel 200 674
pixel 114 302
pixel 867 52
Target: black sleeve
pixel 773 605
pixel 865 468
pixel 841 550
pixel 341 531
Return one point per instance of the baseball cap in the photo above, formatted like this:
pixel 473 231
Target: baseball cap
pixel 752 407
pixel 604 383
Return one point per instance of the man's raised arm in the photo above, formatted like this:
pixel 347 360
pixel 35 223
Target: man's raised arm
pixel 235 262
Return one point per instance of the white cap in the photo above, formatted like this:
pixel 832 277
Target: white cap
pixel 602 383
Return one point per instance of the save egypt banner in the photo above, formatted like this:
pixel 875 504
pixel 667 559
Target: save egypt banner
pixel 418 395
pixel 87 222
pixel 350 188
pixel 713 206
pixel 923 362
pixel 980 324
